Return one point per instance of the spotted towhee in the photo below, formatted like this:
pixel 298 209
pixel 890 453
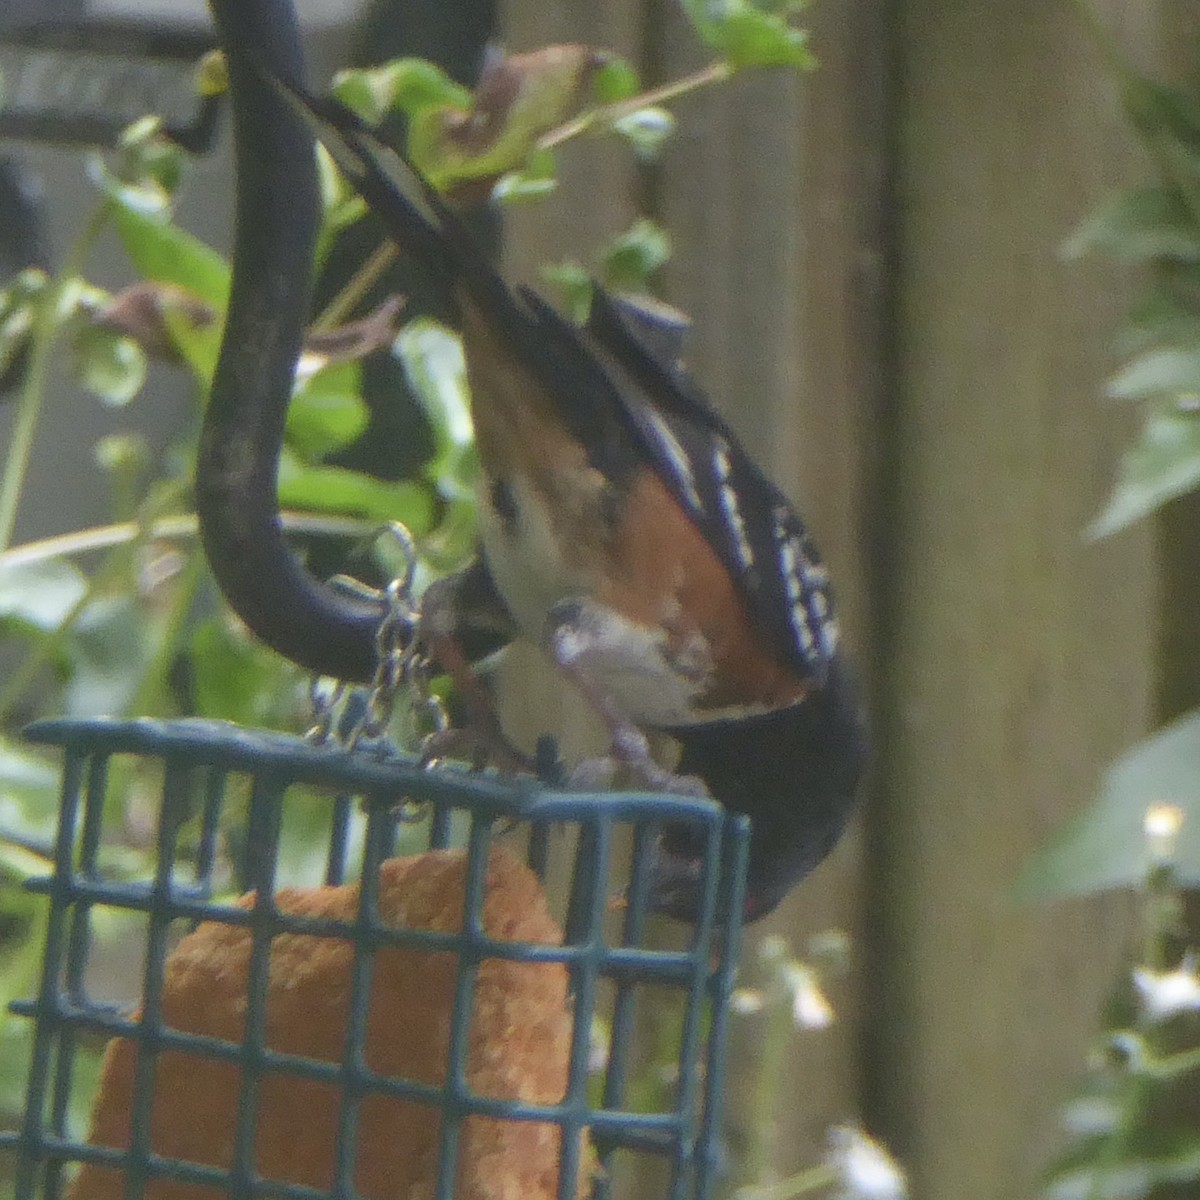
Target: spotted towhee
pixel 626 532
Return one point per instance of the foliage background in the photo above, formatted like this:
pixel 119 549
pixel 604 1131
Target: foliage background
pixel 874 257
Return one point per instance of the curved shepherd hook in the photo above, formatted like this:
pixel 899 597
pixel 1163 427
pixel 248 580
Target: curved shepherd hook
pixel 276 223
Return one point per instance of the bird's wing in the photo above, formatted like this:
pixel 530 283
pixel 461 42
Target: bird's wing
pixel 626 400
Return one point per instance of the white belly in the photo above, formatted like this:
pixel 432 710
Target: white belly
pixel 626 662
pixel 525 559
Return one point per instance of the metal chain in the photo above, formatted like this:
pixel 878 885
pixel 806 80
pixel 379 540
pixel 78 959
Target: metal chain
pixel 397 659
pixel 428 704
pixel 324 696
pixel 395 650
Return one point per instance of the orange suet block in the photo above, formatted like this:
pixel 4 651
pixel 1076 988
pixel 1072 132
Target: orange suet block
pixel 519 1046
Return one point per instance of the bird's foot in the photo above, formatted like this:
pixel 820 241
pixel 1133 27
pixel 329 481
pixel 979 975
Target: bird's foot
pixel 480 746
pixel 631 765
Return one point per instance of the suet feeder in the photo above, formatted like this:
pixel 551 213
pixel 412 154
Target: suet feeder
pixel 424 1025
pixel 354 978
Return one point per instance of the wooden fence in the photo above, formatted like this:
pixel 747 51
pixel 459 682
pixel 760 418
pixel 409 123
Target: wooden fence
pixel 871 255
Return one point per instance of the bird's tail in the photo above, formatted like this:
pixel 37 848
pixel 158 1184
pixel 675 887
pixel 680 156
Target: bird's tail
pixel 439 242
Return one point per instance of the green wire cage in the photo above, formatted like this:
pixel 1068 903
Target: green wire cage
pixel 339 975
pixel 222 805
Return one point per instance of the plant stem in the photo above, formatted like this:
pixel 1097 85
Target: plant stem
pixel 1171 1066
pixel 800 1184
pixel 46 324
pixel 758 1159
pixel 104 537
pixel 149 698
pixel 361 282
pixel 715 72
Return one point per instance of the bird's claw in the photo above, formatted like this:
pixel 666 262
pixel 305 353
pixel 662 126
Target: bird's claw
pixel 479 747
pixel 610 771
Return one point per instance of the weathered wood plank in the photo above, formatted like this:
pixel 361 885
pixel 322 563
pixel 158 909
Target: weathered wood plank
pixel 770 192
pixel 1016 657
pixel 1178 657
pixel 1019 662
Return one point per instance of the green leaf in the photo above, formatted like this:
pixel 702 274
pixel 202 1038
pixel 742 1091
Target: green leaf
pixel 145 195
pixel 752 38
pixel 407 84
pixel 1158 373
pixel 125 454
pixel 341 205
pixel 647 130
pixel 23 858
pixel 627 265
pixel 433 361
pixel 108 364
pixel 1105 847
pixel 236 678
pixel 1162 464
pixel 41 594
pixel 146 157
pixel 23 773
pixel 784 8
pixel 518 101
pixel 1138 226
pixel 1165 116
pixel 111 647
pixel 28 809
pixel 453 543
pixel 338 490
pixel 706 16
pixel 18 306
pixel 199 345
pixel 538 177
pixel 1145 1163
pixel 163 252
pixel 575 284
pixel 327 412
pixel 748 35
pixel 635 255
pixel 615 80
pixel 1161 318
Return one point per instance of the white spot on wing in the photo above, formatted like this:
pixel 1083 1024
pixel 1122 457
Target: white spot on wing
pixel 807 584
pixel 681 465
pixel 722 468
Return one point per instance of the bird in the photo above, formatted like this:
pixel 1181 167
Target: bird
pixel 625 530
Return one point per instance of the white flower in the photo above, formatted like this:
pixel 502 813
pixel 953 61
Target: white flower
pixel 865 1169
pixel 810 1008
pixel 1165 993
pixel 1090 1115
pixel 1161 824
pixel 746 1001
pixel 791 985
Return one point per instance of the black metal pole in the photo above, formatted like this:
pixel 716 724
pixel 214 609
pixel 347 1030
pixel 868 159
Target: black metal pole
pixel 276 223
